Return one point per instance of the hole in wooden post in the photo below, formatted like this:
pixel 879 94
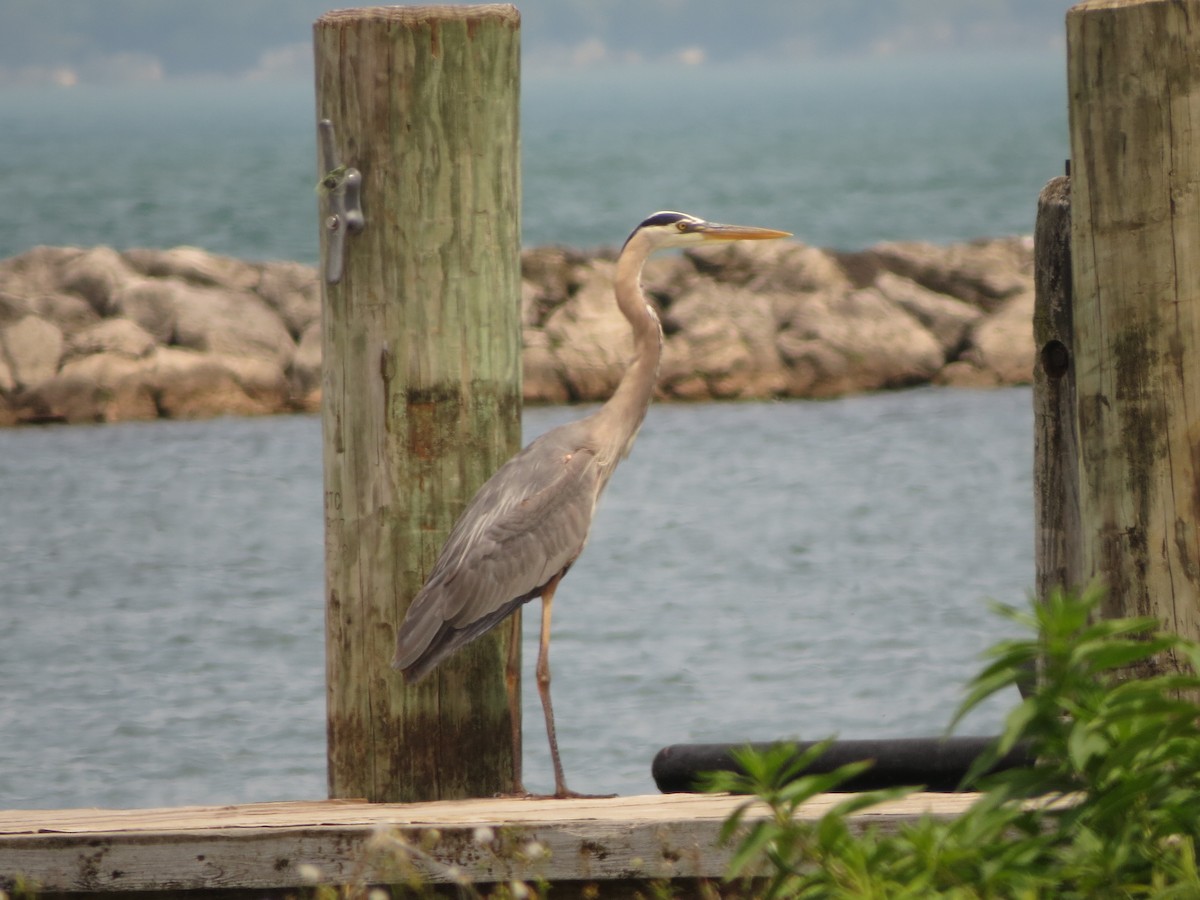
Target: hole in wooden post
pixel 1056 358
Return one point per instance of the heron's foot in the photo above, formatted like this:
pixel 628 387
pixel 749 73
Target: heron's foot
pixel 565 793
pixel 517 793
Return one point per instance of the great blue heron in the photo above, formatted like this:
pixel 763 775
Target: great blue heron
pixel 527 525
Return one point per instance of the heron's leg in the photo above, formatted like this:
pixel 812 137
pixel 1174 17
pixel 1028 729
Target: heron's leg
pixel 512 685
pixel 543 683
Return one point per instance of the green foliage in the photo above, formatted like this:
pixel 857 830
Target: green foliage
pixel 1111 808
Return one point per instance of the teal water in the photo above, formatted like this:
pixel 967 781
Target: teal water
pixel 756 571
pixel 843 154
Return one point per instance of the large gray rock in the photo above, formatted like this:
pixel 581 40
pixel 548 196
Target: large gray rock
pixel 292 290
pixel 840 343
pixel 86 389
pixel 724 339
pixel 36 271
pixel 70 314
pixel 948 319
pixel 771 267
pixel 589 337
pixel 95 275
pixel 1000 348
pixel 13 308
pixel 234 323
pixel 120 337
pixel 543 376
pixel 30 350
pixel 549 277
pixel 982 273
pixel 102 387
pixel 150 302
pixel 188 384
pixel 194 266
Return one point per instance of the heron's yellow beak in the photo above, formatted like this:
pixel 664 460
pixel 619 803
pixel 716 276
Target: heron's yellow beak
pixel 711 231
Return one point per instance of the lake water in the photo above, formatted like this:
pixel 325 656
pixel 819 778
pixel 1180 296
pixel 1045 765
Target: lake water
pixel 756 571
pixel 842 154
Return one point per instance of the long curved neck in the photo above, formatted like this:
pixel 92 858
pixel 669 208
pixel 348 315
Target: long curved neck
pixel 621 417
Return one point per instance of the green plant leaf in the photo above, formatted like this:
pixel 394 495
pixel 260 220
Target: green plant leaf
pixel 751 852
pixel 1107 653
pixel 1083 745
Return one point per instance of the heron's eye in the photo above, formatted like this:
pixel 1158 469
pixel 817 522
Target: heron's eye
pixel 682 226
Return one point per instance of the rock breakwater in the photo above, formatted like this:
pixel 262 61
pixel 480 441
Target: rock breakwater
pixel 97 335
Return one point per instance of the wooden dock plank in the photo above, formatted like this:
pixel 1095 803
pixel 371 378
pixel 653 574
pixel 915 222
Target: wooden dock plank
pixel 272 845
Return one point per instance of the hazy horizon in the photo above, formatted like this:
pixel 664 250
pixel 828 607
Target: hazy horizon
pixel 70 42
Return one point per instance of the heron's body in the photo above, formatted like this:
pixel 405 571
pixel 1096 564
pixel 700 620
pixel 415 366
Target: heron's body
pixel 528 524
pixel 492 561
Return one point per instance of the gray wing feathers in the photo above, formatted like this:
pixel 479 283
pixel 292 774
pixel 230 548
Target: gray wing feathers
pixel 526 525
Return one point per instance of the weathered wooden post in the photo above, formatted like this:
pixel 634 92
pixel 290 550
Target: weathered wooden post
pixel 1055 441
pixel 422 368
pixel 1055 444
pixel 1135 237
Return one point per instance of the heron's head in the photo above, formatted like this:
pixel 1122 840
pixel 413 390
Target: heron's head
pixel 676 229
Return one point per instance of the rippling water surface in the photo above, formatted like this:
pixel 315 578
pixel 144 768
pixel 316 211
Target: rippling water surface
pixel 756 571
pixel 843 154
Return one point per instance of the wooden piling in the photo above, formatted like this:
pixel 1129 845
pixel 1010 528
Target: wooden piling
pixel 1135 235
pixel 421 385
pixel 1055 443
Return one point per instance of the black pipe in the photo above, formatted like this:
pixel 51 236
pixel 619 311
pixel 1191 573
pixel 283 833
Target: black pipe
pixel 934 764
